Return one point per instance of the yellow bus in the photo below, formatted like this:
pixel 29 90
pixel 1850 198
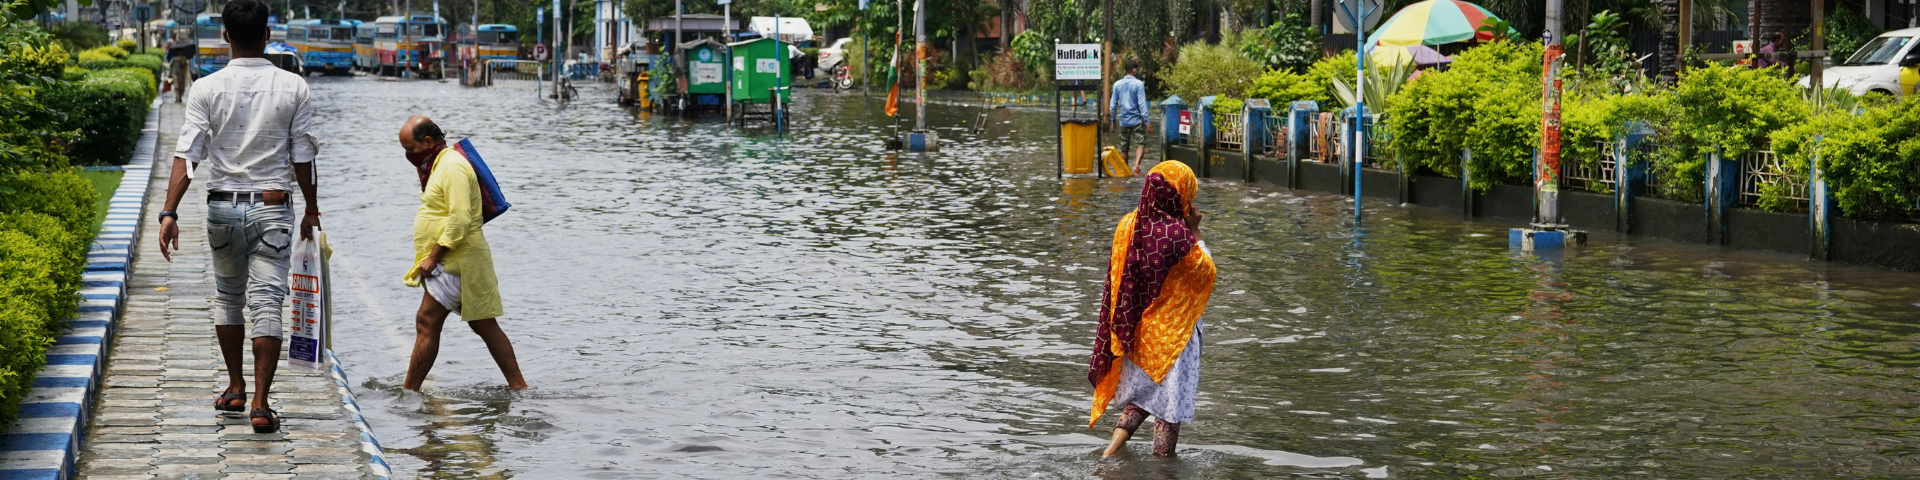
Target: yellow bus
pixel 324 45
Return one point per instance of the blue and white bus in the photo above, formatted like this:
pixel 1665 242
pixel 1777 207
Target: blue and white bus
pixel 213 49
pixel 324 45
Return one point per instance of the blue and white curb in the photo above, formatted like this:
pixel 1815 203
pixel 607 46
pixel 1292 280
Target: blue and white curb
pixel 53 418
pixel 376 458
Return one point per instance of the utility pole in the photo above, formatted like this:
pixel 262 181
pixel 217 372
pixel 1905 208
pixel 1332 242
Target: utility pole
pixel 1546 176
pixel 1546 232
pixel 920 65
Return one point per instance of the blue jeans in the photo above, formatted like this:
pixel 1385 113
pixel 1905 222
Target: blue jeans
pixel 251 245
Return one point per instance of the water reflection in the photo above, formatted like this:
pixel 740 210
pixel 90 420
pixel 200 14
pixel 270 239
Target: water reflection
pixel 696 301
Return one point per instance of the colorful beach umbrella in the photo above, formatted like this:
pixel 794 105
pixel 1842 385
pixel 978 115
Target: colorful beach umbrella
pixel 1433 22
pixel 1419 55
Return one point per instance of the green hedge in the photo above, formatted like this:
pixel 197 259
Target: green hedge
pixel 1871 159
pixel 151 63
pixel 43 250
pixel 1488 101
pixel 108 108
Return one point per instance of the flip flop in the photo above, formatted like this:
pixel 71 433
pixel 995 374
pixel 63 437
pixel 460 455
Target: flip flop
pixel 225 402
pixel 269 414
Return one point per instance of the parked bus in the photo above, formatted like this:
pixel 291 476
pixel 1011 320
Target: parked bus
pixel 213 50
pixel 398 41
pixel 324 45
pixel 363 57
pixel 497 42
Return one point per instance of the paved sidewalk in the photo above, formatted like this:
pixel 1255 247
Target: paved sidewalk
pixel 155 416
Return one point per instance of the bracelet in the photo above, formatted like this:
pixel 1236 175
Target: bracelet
pixel 167 213
pixel 313 213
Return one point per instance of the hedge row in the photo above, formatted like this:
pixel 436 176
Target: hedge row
pixel 108 108
pixel 46 208
pixel 44 223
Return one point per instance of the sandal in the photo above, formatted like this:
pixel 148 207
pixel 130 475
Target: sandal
pixel 273 418
pixel 226 402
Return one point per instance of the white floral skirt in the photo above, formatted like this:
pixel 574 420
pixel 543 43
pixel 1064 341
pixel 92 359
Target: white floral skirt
pixel 1172 399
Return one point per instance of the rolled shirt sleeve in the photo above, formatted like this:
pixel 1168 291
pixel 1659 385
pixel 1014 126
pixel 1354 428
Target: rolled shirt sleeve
pixel 194 129
pixel 305 145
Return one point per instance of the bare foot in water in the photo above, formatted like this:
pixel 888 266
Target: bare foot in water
pixel 1120 436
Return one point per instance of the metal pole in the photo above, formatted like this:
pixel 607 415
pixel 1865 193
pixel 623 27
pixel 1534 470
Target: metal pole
pixel 726 31
pixel 1359 15
pixel 1106 64
pixel 1546 176
pixel 920 65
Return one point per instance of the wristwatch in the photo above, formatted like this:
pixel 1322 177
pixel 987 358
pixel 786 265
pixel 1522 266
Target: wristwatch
pixel 166 213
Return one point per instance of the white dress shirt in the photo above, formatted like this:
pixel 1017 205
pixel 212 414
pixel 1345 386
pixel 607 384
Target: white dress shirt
pixel 249 122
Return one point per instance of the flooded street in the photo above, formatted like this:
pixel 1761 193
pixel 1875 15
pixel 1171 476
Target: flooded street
pixel 694 301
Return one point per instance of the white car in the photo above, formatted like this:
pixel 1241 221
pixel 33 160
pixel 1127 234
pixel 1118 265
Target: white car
pixel 1888 64
pixel 834 54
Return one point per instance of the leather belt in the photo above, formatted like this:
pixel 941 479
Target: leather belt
pixel 276 197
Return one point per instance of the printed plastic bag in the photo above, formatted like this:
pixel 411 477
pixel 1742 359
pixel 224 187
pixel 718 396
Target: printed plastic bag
pixel 492 201
pixel 308 304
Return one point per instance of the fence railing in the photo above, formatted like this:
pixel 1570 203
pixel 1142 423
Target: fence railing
pixel 1229 131
pixel 1376 154
pixel 1597 176
pixel 1762 171
pixel 1274 142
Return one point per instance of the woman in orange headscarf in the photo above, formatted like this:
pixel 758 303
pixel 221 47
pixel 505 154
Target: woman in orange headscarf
pixel 1147 352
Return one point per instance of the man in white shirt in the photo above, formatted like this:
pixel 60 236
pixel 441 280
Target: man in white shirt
pixel 249 123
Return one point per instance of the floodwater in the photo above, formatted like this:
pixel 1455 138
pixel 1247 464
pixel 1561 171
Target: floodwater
pixel 694 301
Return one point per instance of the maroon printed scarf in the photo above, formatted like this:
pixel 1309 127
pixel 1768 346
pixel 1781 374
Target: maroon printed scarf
pixel 1160 239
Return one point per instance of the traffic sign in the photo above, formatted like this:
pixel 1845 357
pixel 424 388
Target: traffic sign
pixel 1345 12
pixel 142 12
pixel 540 52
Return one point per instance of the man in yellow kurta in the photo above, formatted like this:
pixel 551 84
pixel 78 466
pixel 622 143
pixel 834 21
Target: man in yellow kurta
pixel 450 254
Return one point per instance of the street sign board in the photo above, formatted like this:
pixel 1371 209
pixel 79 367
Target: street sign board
pixel 1345 12
pixel 143 12
pixel 540 52
pixel 1186 122
pixel 1076 61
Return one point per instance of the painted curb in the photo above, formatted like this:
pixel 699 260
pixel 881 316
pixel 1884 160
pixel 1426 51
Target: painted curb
pixel 376 458
pixel 44 442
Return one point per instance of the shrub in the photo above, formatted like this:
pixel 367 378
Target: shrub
pixel 44 220
pixel 1488 101
pixel 1288 45
pixel 1328 68
pixel 1034 51
pixel 1002 73
pixel 41 61
pixel 1869 160
pixel 1211 70
pixel 108 108
pixel 1282 87
pixel 93 56
pixel 74 74
pixel 127 45
pixel 116 52
pixel 1729 109
pixel 77 36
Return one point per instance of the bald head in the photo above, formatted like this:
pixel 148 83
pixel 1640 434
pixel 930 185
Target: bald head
pixel 420 131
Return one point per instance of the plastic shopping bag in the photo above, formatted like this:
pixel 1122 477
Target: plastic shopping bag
pixel 307 337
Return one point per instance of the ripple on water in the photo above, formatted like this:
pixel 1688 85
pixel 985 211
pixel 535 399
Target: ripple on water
pixel 695 301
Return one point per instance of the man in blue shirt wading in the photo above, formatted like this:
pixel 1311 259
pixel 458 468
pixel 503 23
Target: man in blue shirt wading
pixel 1129 107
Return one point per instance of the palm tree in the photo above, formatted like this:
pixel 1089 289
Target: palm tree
pixel 1669 40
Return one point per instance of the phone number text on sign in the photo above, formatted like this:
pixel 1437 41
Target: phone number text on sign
pixel 1076 61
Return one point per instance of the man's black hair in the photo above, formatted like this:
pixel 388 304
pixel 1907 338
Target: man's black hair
pixel 426 129
pixel 1133 65
pixel 246 22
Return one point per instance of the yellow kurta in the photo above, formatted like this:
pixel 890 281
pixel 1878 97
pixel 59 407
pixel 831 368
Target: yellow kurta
pixel 450 216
